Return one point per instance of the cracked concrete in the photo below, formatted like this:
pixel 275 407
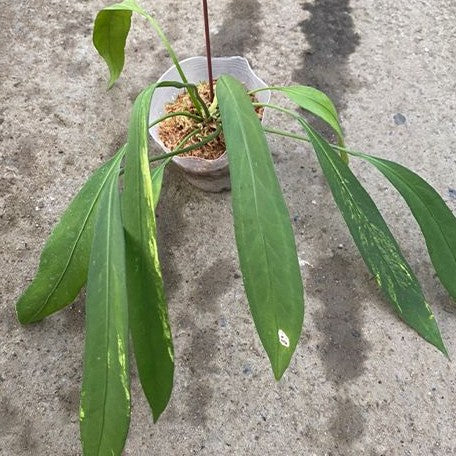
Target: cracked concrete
pixel 361 382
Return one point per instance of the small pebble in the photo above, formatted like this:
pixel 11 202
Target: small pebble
pixel 399 119
pixel 247 370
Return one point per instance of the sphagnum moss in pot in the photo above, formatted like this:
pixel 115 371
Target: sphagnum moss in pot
pixel 207 170
pixel 113 248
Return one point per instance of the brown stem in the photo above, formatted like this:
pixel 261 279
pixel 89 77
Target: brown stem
pixel 208 49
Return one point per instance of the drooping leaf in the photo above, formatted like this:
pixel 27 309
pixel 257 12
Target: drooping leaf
pixel 315 102
pixel 110 33
pixel 109 37
pixel 264 236
pixel 437 222
pixel 65 258
pixel 105 396
pixel 375 242
pixel 147 304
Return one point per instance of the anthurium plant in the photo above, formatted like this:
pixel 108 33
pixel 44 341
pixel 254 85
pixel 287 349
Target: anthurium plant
pixel 106 239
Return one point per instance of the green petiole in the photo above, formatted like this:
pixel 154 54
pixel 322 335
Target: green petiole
pixel 176 114
pixel 204 141
pixel 285 133
pixel 291 113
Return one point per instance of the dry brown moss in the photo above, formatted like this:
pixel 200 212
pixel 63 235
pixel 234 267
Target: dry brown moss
pixel 171 131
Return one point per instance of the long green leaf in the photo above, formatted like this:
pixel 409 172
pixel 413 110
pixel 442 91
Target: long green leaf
pixel 147 305
pixel 315 102
pixel 264 236
pixel 65 258
pixel 375 242
pixel 109 37
pixel 437 222
pixel 105 396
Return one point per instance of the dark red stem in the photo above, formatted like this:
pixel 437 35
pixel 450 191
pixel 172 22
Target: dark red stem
pixel 208 49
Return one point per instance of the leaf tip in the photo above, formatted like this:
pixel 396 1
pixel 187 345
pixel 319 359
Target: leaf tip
pixel 441 347
pixel 278 373
pixel 21 313
pixel 281 363
pixel 155 416
pixel 111 82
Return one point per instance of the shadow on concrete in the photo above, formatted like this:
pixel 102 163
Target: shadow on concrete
pixel 240 31
pixel 199 352
pixel 344 349
pixel 329 32
pixel 16 430
pixel 171 227
pixel 214 282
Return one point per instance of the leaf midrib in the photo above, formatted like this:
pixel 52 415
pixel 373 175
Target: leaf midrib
pixel 432 217
pixel 268 262
pixel 386 263
pixel 107 312
pixel 73 249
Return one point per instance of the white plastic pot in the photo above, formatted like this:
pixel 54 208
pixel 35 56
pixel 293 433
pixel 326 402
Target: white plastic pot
pixel 208 175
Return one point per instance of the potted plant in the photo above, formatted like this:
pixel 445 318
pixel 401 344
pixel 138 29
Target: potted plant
pixel 107 240
pixel 207 174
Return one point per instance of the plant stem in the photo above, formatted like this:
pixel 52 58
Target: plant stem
pixel 343 155
pixel 204 141
pixel 173 56
pixel 192 90
pixel 291 113
pixel 187 138
pixel 168 47
pixel 347 151
pixel 202 103
pixel 182 143
pixel 176 114
pixel 262 89
pixel 285 133
pixel 208 49
pixel 288 134
pixel 178 149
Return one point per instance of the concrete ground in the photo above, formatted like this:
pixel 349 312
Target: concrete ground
pixel 361 382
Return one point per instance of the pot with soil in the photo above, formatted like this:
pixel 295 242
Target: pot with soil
pixel 206 168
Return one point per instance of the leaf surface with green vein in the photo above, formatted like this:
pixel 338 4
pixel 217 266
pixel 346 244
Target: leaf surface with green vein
pixel 437 222
pixel 264 236
pixel 65 258
pixel 105 395
pixel 147 304
pixel 375 242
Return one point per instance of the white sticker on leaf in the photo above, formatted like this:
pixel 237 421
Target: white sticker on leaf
pixel 283 338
